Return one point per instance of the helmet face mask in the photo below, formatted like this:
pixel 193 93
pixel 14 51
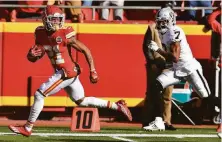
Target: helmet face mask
pixel 53 18
pixel 162 25
pixel 165 19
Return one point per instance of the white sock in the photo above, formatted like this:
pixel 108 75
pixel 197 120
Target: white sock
pixel 35 110
pixel 29 126
pixel 100 103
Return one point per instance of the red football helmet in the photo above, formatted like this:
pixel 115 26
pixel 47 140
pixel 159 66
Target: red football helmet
pixel 53 18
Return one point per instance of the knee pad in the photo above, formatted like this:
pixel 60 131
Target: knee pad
pixel 83 102
pixel 87 101
pixel 39 95
pixel 79 102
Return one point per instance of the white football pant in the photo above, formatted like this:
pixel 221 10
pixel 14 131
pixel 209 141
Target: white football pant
pixel 196 79
pixel 74 89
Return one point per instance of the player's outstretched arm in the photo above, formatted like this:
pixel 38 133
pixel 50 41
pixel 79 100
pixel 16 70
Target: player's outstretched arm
pixel 73 42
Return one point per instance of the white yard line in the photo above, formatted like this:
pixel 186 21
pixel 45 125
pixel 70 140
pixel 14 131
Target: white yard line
pixel 122 139
pixel 122 135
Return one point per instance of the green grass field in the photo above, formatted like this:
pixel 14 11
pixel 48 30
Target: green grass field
pixel 61 134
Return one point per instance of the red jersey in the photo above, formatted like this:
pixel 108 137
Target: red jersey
pixel 55 46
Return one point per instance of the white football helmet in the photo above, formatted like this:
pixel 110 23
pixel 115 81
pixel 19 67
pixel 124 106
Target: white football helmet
pixel 165 18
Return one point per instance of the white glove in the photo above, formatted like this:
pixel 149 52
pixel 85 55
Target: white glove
pixel 153 46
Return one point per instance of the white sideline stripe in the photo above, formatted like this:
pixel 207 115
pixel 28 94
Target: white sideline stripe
pixel 122 135
pixel 123 139
pixel 44 136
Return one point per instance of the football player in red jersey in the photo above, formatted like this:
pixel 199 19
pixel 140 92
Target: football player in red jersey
pixel 56 39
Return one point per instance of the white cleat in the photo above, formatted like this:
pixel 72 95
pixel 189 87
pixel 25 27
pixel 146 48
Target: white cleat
pixel 156 125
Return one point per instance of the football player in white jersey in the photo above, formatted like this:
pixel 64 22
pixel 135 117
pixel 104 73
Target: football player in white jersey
pixel 185 66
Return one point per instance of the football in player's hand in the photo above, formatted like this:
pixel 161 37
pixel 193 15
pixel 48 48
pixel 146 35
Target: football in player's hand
pixel 38 50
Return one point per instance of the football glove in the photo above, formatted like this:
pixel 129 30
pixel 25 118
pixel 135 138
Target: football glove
pixel 153 46
pixel 94 78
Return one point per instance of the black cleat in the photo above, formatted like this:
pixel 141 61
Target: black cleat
pixel 170 127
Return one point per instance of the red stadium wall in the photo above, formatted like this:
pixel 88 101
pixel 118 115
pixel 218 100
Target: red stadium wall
pixel 117 54
pixel 1 74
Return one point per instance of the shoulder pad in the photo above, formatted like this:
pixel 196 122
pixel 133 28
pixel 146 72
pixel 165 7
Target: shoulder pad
pixel 39 28
pixel 70 32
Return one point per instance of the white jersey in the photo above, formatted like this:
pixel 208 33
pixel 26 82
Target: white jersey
pixel 187 63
